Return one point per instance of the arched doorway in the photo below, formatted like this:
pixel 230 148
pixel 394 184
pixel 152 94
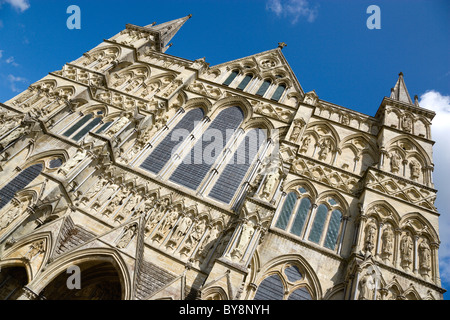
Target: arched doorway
pixel 99 280
pixel 12 280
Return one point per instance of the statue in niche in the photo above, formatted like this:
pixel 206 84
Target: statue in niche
pixel 116 202
pixel 181 228
pixel 406 251
pixel 9 125
pixel 73 161
pixel 108 56
pixel 305 145
pixel 117 126
pixel 221 246
pixel 92 192
pixel 370 239
pixel 155 217
pixel 16 134
pixel 387 246
pixel 127 236
pixel 415 169
pixel 147 205
pixel 424 258
pixel 244 239
pixel 132 152
pixel 166 225
pixel 395 162
pixel 209 242
pixel 10 215
pixel 367 286
pixel 296 131
pixel 270 184
pixel 407 124
pixel 36 248
pixel 324 149
pixel 194 237
pixel 345 120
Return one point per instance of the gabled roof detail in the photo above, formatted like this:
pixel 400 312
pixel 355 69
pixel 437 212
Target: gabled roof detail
pixel 268 64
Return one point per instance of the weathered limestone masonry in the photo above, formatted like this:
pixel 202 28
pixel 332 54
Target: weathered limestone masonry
pixel 333 204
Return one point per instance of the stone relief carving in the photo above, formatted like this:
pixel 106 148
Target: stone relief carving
pixel 72 162
pixel 127 236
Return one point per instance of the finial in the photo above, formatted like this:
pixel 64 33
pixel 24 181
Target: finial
pixel 400 74
pixel 281 45
pixel 153 23
pixel 190 16
pixel 416 100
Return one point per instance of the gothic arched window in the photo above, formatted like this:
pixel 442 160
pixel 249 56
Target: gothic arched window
pixel 236 169
pixel 86 124
pixel 271 288
pixel 24 178
pixel 263 88
pixel 196 164
pixel 164 150
pixel 245 81
pixel 279 92
pixel 231 77
pixel 318 225
pixel 326 224
pixel 301 206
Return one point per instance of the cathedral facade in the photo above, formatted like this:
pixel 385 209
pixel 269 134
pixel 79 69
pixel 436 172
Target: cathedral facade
pixel 150 176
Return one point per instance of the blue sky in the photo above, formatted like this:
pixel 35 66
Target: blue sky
pixel 329 47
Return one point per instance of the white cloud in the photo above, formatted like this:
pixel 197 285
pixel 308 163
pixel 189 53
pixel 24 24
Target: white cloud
pixel 292 9
pixel 10 60
pixel 20 5
pixel 13 80
pixel 440 131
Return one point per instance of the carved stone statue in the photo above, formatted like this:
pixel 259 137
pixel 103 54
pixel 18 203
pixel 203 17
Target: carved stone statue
pixel 370 239
pixel 406 251
pixel 244 239
pixel 10 215
pixel 209 242
pixel 8 125
pixel 407 124
pixel 424 258
pixel 305 145
pixel 324 149
pixel 16 134
pixel 182 228
pixel 36 248
pixel 395 162
pixel 270 184
pixel 387 239
pixel 93 190
pixel 415 169
pixel 72 162
pixel 367 286
pixel 119 124
pixel 127 236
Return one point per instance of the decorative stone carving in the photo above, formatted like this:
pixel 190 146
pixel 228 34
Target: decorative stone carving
pixel 370 238
pixel 415 169
pixel 72 162
pixel 194 237
pixel 387 240
pixel 244 239
pixel 324 149
pixel 407 124
pixel 406 251
pixel 305 144
pixel 36 248
pixel 424 258
pixel 127 236
pixel 13 136
pixel 13 212
pixel 270 184
pixel 395 162
pixel 117 126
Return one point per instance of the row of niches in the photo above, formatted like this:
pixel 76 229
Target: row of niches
pixel 181 231
pixel 409 243
pixel 408 122
pixel 355 153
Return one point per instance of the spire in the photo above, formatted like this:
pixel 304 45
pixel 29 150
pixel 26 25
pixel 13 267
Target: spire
pixel 167 30
pixel 399 92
